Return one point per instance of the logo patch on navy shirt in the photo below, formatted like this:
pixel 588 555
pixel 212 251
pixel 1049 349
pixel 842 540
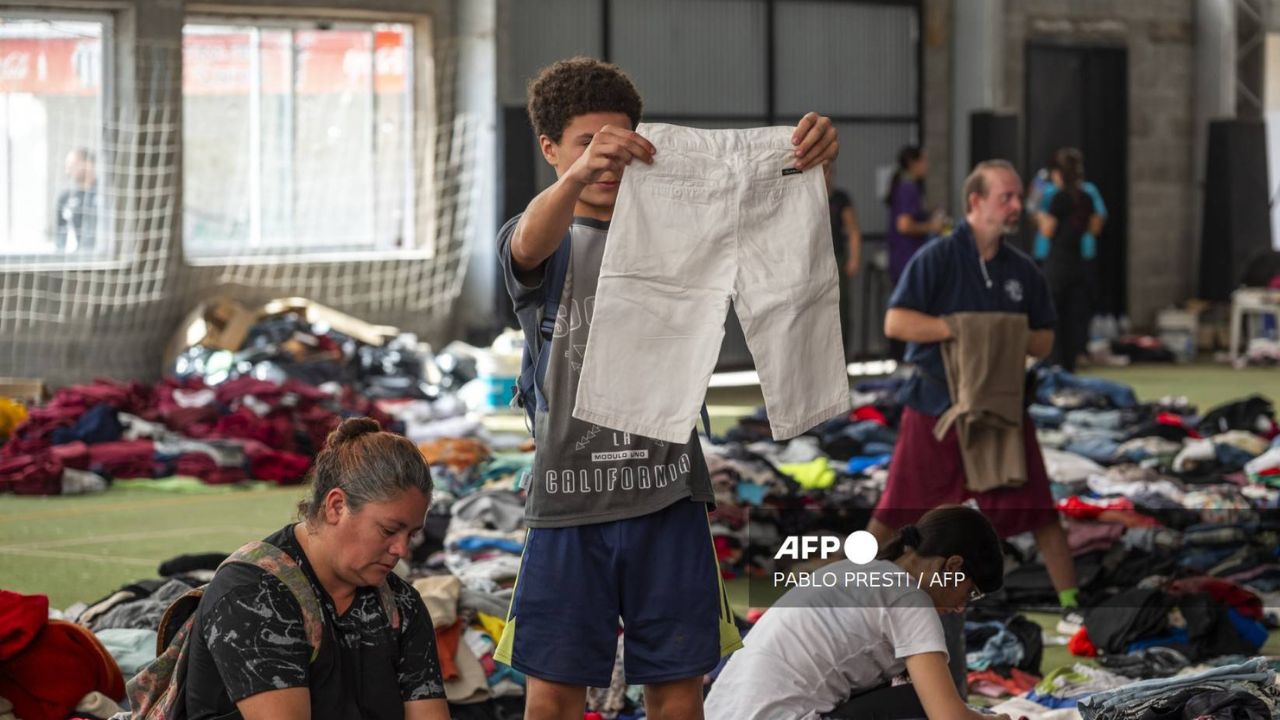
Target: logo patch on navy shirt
pixel 1013 289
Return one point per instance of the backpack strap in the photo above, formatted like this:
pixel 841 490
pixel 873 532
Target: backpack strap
pixel 175 617
pixel 706 419
pixel 284 568
pixel 557 271
pixel 157 691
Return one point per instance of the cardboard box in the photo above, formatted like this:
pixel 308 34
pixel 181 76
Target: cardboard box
pixel 315 313
pixel 1179 331
pixel 220 323
pixel 27 390
pixel 1212 323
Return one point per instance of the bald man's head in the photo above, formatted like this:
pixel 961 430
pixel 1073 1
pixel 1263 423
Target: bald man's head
pixel 993 197
pixel 80 168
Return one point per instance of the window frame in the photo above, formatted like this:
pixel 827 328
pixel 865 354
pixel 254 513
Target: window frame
pixel 420 201
pixel 111 256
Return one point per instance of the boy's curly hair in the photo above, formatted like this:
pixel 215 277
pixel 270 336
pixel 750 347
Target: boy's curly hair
pixel 577 86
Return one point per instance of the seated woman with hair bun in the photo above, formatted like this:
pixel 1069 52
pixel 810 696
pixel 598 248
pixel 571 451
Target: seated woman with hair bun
pixel 834 649
pixel 328 631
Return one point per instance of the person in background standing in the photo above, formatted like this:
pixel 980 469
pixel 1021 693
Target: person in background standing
pixel 847 238
pixel 910 225
pixel 1071 215
pixel 972 269
pixel 76 217
pixel 1042 192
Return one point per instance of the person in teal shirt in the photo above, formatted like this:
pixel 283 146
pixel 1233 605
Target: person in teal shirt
pixel 1044 187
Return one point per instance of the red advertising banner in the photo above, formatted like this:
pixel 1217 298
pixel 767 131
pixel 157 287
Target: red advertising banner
pixel 51 66
pixel 221 63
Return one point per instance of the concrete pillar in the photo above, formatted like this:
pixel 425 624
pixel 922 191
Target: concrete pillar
pixel 977 69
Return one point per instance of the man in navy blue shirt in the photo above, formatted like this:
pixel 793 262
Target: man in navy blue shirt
pixel 971 270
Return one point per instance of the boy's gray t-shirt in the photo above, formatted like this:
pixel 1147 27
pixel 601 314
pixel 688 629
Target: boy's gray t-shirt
pixel 584 473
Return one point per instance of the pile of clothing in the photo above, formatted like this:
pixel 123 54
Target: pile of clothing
pixel 297 339
pixel 1246 690
pixel 1171 516
pixel 1003 652
pixel 51 669
pixel 1200 617
pixel 88 435
pixel 252 398
pixel 825 481
pixel 1101 421
pixel 469 624
pixel 1156 491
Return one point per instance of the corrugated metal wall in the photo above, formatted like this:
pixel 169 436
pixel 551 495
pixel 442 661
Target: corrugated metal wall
pixel 860 59
pixel 694 57
pixel 537 33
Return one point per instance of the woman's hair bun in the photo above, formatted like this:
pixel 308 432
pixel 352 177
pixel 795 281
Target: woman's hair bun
pixel 352 428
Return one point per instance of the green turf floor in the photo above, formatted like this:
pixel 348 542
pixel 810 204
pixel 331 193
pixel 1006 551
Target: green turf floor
pixel 81 548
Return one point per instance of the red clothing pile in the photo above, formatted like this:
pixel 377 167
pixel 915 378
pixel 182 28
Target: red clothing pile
pixel 48 666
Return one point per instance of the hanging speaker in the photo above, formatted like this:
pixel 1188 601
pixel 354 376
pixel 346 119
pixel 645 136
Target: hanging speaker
pixel 993 136
pixel 1237 222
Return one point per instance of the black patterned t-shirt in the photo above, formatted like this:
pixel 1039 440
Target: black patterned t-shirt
pixel 249 638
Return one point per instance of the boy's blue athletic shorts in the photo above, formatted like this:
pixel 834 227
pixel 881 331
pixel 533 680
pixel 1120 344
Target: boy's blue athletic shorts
pixel 655 579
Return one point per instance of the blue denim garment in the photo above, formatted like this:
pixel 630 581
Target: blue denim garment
pixel 1113 393
pixel 1129 701
pixel 1046 416
pixel 1101 419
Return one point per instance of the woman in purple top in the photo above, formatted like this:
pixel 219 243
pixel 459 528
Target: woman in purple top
pixel 910 225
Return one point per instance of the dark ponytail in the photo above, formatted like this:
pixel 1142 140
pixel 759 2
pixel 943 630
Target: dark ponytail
pixel 954 530
pixel 906 155
pixel 368 464
pixel 1070 165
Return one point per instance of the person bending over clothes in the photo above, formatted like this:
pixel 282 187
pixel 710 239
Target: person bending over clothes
pixel 834 652
pixel 251 656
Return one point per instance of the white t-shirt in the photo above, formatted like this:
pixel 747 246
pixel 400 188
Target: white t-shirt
pixel 818 646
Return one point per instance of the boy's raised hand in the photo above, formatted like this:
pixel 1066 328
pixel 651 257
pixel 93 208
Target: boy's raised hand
pixel 815 141
pixel 611 150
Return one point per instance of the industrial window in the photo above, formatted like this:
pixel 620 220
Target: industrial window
pixel 54 92
pixel 299 140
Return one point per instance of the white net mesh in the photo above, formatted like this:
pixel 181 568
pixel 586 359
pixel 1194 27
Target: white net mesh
pixel 329 164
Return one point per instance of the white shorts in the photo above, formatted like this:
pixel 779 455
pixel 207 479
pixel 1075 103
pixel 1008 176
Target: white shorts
pixel 720 216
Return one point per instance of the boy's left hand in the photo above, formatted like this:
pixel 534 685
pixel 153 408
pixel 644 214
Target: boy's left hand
pixel 815 141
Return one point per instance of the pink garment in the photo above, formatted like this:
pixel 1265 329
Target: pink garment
pixel 36 474
pixel 72 454
pixel 207 469
pixel 232 391
pixel 278 466
pixel 124 459
pixel 1085 537
pixel 274 430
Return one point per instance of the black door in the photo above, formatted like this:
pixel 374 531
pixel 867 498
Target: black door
pixel 1079 97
